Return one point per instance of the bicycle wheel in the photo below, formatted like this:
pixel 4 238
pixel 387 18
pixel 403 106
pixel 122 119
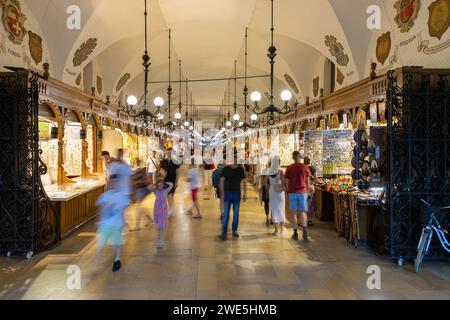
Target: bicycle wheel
pixel 423 244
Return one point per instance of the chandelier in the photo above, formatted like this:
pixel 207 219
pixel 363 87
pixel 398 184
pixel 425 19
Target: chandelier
pixel 188 124
pixel 178 115
pixel 271 110
pixel 170 125
pixel 254 118
pixel 144 114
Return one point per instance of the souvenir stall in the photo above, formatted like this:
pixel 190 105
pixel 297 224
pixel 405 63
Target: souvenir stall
pixel 290 141
pixel 130 145
pixel 48 143
pixel 76 192
pixel 349 165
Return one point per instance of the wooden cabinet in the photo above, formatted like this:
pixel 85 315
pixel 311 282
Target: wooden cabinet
pixel 77 211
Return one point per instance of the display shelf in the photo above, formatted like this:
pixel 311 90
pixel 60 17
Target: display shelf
pixel 337 152
pixel 313 149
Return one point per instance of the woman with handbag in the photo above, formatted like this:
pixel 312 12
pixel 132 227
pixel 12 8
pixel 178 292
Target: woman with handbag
pixel 277 197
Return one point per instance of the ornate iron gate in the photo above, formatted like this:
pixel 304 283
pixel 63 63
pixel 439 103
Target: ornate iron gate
pixel 419 152
pixel 28 222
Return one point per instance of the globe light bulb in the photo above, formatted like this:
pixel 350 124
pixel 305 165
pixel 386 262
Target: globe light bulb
pixel 191 127
pixel 241 124
pixel 236 117
pixel 228 124
pixel 254 117
pixel 160 116
pixel 159 102
pixel 178 116
pixel 255 96
pixel 186 123
pixel 286 95
pixel 132 101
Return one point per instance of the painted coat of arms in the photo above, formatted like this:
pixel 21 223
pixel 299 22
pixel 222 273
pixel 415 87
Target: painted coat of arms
pixel 84 51
pixel 337 50
pixel 384 44
pixel 78 79
pixel 123 81
pixel 291 83
pixel 316 86
pixel 13 20
pixel 99 85
pixel 407 11
pixel 35 46
pixel 340 77
pixel 439 19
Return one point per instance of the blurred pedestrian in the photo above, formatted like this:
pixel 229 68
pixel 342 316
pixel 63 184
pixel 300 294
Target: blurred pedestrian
pixel 113 204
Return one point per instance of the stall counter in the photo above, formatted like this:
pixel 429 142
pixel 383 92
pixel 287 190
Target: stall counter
pixel 75 204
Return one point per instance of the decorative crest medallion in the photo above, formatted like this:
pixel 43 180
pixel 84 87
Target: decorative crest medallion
pixel 84 51
pixel 35 46
pixel 439 19
pixel 13 20
pixel 99 85
pixel 316 86
pixel 78 79
pixel 407 11
pixel 339 76
pixel 384 44
pixel 291 83
pixel 337 50
pixel 123 81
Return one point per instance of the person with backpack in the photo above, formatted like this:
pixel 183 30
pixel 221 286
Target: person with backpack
pixel 216 184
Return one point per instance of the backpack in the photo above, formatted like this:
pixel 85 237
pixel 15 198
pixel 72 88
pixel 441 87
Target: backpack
pixel 216 177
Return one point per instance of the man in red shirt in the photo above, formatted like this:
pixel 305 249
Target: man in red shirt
pixel 298 181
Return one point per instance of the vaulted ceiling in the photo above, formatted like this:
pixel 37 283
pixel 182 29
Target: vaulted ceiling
pixel 208 36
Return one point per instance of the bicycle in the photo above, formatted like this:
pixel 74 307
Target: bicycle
pixel 433 226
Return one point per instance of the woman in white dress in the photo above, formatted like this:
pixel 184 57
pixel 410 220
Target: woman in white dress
pixel 277 195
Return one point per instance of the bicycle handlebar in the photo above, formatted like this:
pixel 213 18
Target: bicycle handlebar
pixel 438 208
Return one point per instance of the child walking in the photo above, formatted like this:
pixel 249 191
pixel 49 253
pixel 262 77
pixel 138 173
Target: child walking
pixel 113 204
pixel 161 211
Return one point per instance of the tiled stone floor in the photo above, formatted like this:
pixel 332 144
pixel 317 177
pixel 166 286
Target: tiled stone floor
pixel 195 264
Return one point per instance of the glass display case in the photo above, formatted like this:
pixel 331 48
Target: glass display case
pixel 72 149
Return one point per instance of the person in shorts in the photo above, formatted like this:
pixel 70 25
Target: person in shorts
pixel 298 180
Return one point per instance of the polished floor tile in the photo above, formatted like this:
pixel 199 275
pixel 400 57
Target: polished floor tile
pixel 196 264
